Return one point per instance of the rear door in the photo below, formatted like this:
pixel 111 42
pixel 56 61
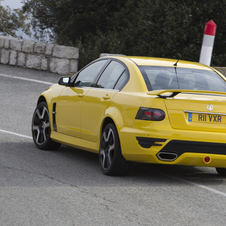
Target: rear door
pixel 98 98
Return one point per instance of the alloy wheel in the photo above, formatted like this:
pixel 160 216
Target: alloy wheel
pixel 41 125
pixel 107 149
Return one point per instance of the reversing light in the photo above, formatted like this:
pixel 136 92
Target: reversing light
pixel 151 114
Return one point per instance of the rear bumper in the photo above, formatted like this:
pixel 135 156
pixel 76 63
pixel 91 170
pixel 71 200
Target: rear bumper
pixel 174 147
pixel 180 147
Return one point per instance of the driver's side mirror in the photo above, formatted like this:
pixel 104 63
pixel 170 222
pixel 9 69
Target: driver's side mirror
pixel 64 81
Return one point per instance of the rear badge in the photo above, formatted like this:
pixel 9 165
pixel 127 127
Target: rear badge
pixel 209 107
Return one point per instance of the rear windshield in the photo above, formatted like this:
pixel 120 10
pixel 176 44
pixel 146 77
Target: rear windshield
pixel 181 78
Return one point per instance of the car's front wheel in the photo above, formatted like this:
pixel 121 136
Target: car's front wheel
pixel 111 160
pixel 41 129
pixel 221 171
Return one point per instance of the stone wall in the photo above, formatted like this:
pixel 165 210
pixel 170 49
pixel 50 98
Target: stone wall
pixel 48 57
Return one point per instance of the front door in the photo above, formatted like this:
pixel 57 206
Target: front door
pixel 68 110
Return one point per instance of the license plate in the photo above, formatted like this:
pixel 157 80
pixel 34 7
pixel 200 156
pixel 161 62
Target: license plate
pixel 209 118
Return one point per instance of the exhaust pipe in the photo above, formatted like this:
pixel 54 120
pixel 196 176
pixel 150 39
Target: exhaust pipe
pixel 167 156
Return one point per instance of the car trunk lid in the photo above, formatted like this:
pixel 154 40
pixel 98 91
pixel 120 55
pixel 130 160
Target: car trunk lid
pixel 195 110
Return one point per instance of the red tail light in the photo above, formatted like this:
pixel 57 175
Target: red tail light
pixel 151 114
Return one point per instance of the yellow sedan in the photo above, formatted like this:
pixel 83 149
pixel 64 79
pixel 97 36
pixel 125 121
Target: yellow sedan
pixel 137 109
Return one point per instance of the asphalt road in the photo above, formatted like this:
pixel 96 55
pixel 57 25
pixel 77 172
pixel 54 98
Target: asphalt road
pixel 66 187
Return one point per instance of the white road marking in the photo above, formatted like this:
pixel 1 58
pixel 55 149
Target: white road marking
pixel 207 188
pixel 16 134
pixel 197 185
pixel 26 79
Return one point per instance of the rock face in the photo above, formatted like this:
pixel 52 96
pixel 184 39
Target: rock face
pixel 49 57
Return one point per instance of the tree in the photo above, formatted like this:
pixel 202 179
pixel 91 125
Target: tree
pixel 159 28
pixel 12 21
pixel 72 21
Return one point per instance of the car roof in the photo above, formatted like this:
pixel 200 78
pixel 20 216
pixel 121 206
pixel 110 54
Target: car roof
pixel 153 61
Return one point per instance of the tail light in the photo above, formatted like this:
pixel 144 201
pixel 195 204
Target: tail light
pixel 151 114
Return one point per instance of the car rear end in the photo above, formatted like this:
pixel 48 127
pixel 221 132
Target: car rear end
pixel 183 122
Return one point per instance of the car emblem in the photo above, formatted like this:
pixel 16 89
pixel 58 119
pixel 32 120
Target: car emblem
pixel 209 107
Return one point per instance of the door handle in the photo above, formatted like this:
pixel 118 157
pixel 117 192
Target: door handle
pixel 106 97
pixel 80 95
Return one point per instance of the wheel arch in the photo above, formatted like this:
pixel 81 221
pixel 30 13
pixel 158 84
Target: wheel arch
pixel 41 99
pixel 45 99
pixel 106 121
pixel 112 115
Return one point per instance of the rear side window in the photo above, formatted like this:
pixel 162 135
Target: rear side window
pixel 113 76
pixel 157 78
pixel 122 80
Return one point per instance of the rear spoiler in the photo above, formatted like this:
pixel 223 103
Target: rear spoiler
pixel 169 93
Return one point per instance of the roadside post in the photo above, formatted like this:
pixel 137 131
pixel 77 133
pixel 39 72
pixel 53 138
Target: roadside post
pixel 207 43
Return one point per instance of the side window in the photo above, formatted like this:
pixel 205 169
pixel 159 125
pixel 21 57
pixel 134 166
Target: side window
pixel 87 76
pixel 121 81
pixel 111 75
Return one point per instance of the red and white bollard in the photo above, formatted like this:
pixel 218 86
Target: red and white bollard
pixel 207 43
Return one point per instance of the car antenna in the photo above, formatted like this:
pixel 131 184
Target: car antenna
pixel 176 62
pixel 175 66
pixel 178 59
pixel 180 56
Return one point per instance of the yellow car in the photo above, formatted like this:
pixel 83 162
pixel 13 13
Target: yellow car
pixel 137 109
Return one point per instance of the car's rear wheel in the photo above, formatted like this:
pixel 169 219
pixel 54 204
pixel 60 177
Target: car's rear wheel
pixel 111 160
pixel 221 171
pixel 41 129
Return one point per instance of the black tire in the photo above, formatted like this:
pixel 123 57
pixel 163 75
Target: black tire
pixel 41 128
pixel 111 160
pixel 221 171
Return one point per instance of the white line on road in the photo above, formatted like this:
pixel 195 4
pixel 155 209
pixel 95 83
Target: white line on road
pixel 16 134
pixel 197 185
pixel 26 79
pixel 207 188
